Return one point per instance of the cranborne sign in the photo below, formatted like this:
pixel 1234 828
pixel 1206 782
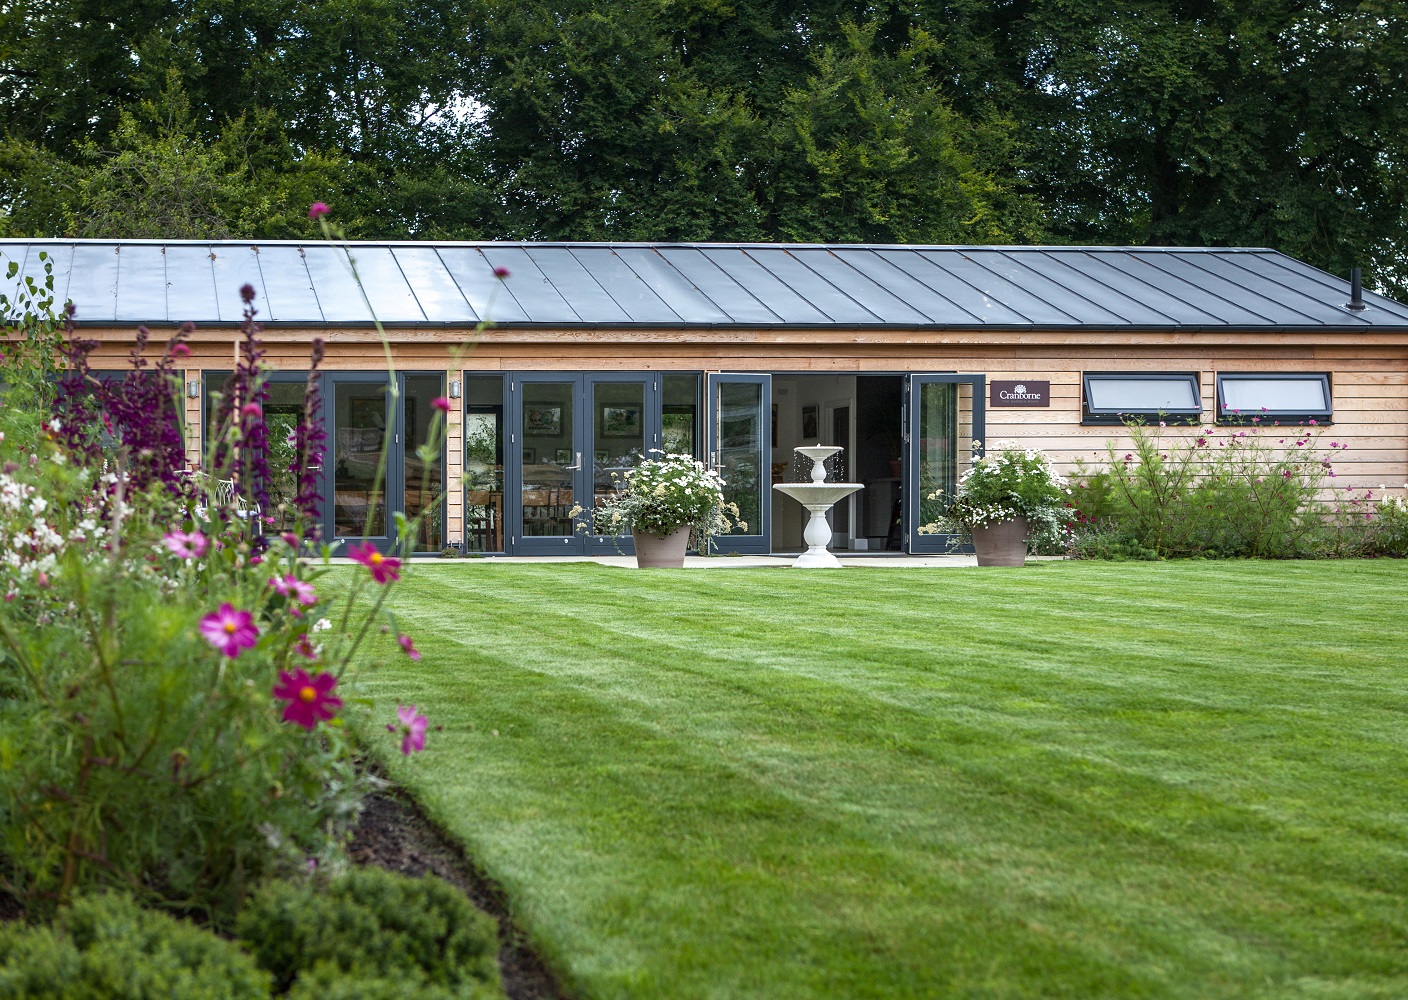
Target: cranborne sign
pixel 1027 393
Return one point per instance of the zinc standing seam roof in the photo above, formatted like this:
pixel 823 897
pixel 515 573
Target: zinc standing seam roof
pixel 697 285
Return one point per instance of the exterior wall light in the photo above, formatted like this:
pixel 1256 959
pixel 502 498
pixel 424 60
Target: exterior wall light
pixel 193 388
pixel 454 388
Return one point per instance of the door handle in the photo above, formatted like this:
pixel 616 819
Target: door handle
pixel 577 467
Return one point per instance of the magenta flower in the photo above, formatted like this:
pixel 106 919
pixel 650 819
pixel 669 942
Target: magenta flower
pixel 300 590
pixel 412 729
pixel 229 630
pixel 252 410
pixel 304 647
pixel 440 403
pixel 384 569
pixel 310 699
pixel 1314 423
pixel 317 210
pixel 179 350
pixel 501 272
pixel 409 646
pixel 186 545
pixel 247 292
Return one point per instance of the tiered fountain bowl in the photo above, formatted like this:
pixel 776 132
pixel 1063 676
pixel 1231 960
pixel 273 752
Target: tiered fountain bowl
pixel 818 496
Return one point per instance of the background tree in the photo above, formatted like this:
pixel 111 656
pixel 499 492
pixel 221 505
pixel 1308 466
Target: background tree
pixel 1213 122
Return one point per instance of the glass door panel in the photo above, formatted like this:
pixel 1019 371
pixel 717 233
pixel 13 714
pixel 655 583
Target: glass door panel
pixel 423 474
pixel 545 482
pixel 739 446
pixel 484 435
pixel 619 442
pixel 361 417
pixel 946 420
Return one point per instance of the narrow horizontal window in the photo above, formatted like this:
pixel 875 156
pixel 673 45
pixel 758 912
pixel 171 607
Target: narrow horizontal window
pixel 1280 397
pixel 1111 398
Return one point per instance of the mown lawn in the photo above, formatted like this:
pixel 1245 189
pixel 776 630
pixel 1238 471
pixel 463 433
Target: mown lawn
pixel 1072 780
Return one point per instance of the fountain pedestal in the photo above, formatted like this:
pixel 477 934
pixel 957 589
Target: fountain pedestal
pixel 818 496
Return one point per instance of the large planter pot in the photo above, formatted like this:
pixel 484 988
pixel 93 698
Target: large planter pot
pixel 1002 544
pixel 661 552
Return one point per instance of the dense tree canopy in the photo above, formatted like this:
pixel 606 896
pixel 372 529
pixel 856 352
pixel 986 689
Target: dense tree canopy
pixel 1262 122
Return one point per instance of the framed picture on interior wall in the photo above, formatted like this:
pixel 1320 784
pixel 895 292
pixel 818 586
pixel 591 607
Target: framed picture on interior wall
pixel 563 456
pixel 620 421
pixel 810 428
pixel 545 421
pixel 366 411
pixel 601 456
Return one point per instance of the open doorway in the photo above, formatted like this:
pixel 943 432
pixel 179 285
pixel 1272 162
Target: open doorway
pixel 863 414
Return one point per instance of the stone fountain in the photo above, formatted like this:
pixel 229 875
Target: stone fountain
pixel 818 496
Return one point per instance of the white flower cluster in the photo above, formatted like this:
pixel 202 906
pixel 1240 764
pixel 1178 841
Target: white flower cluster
pixel 662 494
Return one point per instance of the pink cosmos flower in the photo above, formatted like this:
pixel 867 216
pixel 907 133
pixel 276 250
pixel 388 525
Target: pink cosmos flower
pixel 179 350
pixel 440 403
pixel 304 647
pixel 300 590
pixel 252 410
pixel 317 210
pixel 190 545
pixel 310 699
pixel 1314 423
pixel 229 630
pixel 412 729
pixel 290 539
pixel 384 569
pixel 501 272
pixel 409 646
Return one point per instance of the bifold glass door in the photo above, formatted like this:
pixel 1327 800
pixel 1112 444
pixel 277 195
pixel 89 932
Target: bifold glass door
pixel 574 436
pixel 360 496
pixel 739 447
pixel 945 422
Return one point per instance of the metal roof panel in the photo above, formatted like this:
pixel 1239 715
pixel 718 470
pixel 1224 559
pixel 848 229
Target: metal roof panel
pixel 382 281
pixel 233 266
pixel 836 303
pixel 685 300
pixel 533 290
pixel 775 295
pixel 93 284
pixel 292 286
pixel 141 284
pixel 490 298
pixel 190 283
pixel 872 296
pixel 578 287
pixel 718 286
pixel 435 290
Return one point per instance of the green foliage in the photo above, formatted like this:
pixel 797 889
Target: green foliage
pixel 1248 491
pixel 371 925
pixel 106 947
pixel 1274 124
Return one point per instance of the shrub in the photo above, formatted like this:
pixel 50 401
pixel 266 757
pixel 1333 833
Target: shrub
pixel 371 924
pixel 170 724
pixel 105 947
pixel 1238 495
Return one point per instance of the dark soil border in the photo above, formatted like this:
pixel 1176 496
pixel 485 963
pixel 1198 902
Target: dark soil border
pixel 394 833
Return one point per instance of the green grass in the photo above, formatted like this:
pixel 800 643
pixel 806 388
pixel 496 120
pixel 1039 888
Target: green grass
pixel 1074 780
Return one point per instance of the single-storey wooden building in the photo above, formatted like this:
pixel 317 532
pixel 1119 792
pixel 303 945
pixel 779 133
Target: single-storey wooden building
pixel 904 355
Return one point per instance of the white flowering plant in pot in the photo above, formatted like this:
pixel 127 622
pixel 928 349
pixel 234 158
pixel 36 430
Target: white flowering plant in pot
pixel 1007 483
pixel 661 495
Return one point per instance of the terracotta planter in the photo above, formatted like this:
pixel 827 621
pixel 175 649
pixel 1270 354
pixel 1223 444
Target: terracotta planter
pixel 1002 544
pixel 661 552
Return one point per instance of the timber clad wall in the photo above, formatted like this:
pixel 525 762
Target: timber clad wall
pixel 1369 373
